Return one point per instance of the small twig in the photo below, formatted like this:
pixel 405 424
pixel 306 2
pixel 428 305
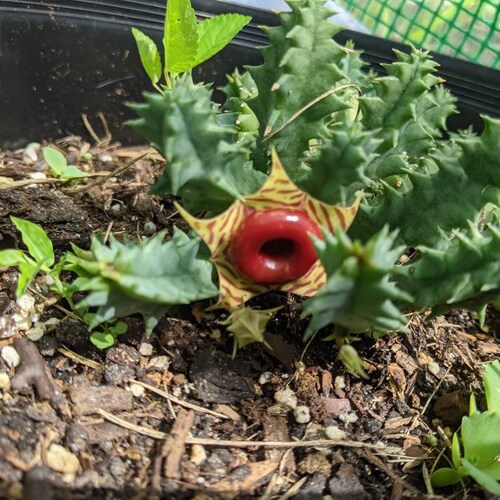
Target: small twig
pixel 69 313
pixel 28 182
pixel 104 178
pixel 316 443
pixel 89 128
pixel 427 480
pixel 310 104
pixel 427 403
pixel 91 131
pixel 180 402
pixel 108 231
pixel 175 445
pixel 32 370
pixel 145 431
pixel 306 347
pixel 104 123
pixel 80 359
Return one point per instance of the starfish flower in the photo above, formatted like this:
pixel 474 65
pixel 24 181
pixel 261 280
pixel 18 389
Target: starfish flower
pixel 261 242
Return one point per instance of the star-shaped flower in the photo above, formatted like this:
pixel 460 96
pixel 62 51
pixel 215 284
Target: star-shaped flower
pixel 278 192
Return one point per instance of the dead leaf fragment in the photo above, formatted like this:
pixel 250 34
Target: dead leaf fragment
pixel 397 379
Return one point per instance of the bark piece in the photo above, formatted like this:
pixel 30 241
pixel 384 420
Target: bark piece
pixel 175 445
pixel 86 400
pixel 276 429
pixel 32 370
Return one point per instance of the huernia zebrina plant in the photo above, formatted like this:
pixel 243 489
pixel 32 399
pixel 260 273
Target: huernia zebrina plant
pixel 426 233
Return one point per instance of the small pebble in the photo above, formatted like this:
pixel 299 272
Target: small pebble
pixel 62 460
pixel 123 354
pixel 286 397
pixel 198 454
pixel 30 153
pixel 37 175
pixel 37 332
pixel 26 302
pixel 302 414
pixel 48 346
pixel 146 349
pixel 158 363
pixel 4 381
pixel 106 157
pixel 265 378
pixel 116 207
pixel 137 390
pixel 52 322
pixel 48 279
pixel 118 374
pixel 335 433
pixel 348 418
pixel 149 228
pixel 23 321
pixel 117 468
pixel 339 382
pixel 10 356
pixel 433 367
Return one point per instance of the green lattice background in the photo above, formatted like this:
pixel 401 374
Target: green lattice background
pixel 462 28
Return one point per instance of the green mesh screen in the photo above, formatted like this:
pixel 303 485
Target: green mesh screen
pixel 469 29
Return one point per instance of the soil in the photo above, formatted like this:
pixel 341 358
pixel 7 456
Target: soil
pixel 173 415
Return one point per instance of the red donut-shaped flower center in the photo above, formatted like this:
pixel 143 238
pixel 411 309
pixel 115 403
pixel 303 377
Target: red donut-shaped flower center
pixel 273 246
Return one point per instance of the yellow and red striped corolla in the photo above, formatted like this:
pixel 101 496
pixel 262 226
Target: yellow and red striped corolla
pixel 262 241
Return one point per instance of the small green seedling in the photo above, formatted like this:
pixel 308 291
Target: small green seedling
pixel 107 337
pixel 480 441
pixel 186 43
pixel 59 166
pixel 39 257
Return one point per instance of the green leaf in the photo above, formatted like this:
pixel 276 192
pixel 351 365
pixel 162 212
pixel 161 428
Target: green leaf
pixel 55 160
pixel 455 451
pixel 73 172
pixel 216 32
pixel 11 258
pixel 491 382
pixel 150 57
pixel 27 272
pixel 180 39
pixel 482 477
pixel 481 442
pixel 351 360
pixel 120 328
pixel 102 340
pixel 445 477
pixel 38 243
